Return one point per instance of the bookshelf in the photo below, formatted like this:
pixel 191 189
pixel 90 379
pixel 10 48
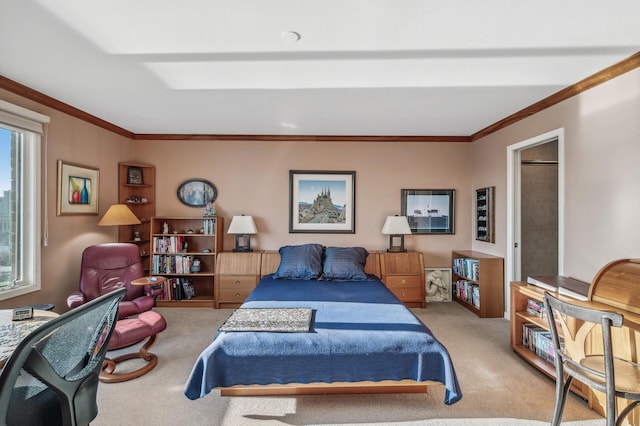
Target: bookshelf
pixel 478 282
pixel 139 195
pixel 179 243
pixel 520 318
pixel 484 214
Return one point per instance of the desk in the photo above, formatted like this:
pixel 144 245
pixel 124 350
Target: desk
pixel 12 332
pixel 616 287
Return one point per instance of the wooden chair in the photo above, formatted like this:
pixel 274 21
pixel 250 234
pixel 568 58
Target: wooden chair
pixel 613 376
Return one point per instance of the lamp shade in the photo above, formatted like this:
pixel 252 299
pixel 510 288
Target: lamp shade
pixel 242 225
pixel 396 225
pixel 119 214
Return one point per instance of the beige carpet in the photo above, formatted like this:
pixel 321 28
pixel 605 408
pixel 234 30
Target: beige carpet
pixel 499 387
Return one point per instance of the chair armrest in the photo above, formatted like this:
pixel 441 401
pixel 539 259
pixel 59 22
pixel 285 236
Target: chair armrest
pixel 76 299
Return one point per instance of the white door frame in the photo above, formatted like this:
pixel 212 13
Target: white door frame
pixel 513 203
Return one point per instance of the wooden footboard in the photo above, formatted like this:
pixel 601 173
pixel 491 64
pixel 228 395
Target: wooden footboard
pixel 387 386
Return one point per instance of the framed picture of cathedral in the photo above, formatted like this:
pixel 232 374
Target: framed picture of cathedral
pixel 322 201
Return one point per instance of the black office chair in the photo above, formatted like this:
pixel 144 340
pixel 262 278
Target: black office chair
pixel 613 376
pixel 52 376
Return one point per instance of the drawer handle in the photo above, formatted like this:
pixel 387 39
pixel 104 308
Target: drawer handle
pixel 237 282
pixel 404 281
pixel 403 295
pixel 237 294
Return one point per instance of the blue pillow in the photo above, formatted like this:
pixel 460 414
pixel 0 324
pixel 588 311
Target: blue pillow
pixel 303 262
pixel 345 264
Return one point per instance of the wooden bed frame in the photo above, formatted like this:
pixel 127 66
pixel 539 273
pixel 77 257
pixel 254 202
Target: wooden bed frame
pixel 270 262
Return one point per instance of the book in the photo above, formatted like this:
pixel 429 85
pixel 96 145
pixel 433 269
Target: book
pixel 574 288
pixel 548 282
pixel 563 285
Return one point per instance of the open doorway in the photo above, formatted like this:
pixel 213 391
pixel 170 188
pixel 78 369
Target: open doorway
pixel 535 207
pixel 539 210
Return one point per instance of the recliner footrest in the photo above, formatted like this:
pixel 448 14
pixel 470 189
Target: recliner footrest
pixel 133 330
pixel 128 332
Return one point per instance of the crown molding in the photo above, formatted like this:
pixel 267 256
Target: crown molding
pixel 616 70
pixel 302 138
pixel 41 98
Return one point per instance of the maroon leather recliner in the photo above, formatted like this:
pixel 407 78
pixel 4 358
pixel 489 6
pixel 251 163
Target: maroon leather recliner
pixel 107 267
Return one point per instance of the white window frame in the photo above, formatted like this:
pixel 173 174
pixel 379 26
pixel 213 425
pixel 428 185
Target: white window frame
pixel 31 125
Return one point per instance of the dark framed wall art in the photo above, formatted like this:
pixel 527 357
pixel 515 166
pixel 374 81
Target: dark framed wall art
pixel 322 201
pixel 484 214
pixel 429 211
pixel 197 192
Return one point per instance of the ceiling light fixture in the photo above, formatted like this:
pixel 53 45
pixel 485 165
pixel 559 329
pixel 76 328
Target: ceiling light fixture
pixel 290 37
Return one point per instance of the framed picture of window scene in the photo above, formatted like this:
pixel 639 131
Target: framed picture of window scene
pixel 429 211
pixel 322 201
pixel 78 189
pixel 197 192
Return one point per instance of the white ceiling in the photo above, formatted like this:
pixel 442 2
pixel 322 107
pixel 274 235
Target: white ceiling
pixel 359 67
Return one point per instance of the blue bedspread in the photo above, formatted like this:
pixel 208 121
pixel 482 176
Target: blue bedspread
pixel 359 332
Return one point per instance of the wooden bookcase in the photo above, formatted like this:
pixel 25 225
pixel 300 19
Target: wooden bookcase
pixel 484 214
pixel 237 274
pixel 140 198
pixel 404 273
pixel 173 253
pixel 521 292
pixel 483 283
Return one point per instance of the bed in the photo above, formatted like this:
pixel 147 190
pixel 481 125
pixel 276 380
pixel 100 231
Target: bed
pixel 360 336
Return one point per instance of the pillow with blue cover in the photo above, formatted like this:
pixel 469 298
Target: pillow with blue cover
pixel 302 262
pixel 344 264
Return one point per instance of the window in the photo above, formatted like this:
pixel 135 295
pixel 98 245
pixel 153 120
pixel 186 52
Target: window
pixel 20 201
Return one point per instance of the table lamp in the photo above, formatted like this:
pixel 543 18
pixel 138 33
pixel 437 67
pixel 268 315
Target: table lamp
pixel 119 214
pixel 396 227
pixel 243 226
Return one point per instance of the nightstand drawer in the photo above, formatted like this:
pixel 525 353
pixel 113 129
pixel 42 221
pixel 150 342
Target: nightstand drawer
pixel 407 294
pixel 404 281
pixel 237 282
pixel 234 295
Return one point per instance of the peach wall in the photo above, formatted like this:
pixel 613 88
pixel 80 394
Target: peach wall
pixel 75 141
pixel 602 131
pixel 602 193
pixel 252 177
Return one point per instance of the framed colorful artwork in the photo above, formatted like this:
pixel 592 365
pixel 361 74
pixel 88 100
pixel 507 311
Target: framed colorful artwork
pixel 78 189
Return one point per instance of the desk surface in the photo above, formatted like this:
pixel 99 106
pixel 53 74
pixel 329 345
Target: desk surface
pixel 12 332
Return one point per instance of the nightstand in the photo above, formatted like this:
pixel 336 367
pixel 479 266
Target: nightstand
pixel 403 274
pixel 237 274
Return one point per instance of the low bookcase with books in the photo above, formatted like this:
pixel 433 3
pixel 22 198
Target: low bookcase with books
pixel 530 336
pixel 184 250
pixel 478 282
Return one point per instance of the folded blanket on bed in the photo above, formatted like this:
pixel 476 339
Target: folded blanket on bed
pixel 285 320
